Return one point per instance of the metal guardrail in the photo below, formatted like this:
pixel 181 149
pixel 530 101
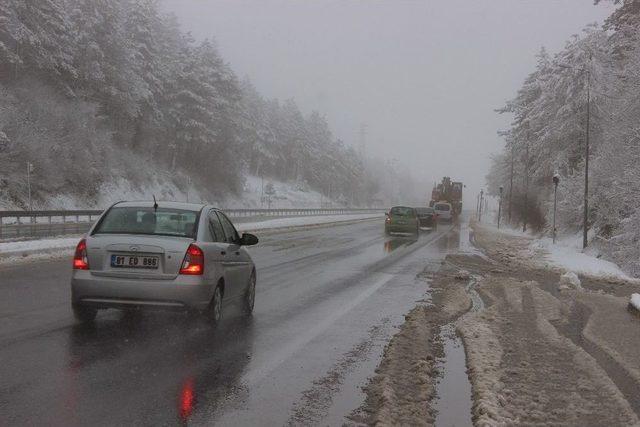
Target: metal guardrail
pixel 37 224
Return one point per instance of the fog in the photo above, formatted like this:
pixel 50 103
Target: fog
pixel 425 77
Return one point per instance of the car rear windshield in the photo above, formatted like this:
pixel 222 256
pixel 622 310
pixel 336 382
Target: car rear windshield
pixel 443 207
pixel 146 220
pixel 402 211
pixel 424 211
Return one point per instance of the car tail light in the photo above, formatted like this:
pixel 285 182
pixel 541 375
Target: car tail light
pixel 193 261
pixel 388 219
pixel 80 261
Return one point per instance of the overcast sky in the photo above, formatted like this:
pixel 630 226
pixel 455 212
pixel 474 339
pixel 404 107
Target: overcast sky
pixel 425 76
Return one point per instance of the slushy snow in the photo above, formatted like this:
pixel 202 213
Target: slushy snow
pixel 635 301
pixel 570 280
pixel 568 255
pixel 36 245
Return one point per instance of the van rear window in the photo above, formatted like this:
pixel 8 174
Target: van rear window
pixel 443 207
pixel 424 211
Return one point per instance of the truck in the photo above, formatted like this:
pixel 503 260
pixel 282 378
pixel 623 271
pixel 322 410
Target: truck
pixel 450 192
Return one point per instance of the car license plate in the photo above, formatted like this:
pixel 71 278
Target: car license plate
pixel 134 261
pixel 402 222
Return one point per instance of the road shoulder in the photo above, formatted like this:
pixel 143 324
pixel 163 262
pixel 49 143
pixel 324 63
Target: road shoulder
pixel 536 352
pixel 404 385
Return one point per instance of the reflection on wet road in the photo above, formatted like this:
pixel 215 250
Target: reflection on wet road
pixel 327 301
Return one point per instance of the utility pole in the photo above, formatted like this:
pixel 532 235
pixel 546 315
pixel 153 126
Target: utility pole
pixel 586 162
pixel 29 170
pixel 556 181
pixel 500 206
pixel 362 148
pixel 513 149
pixel 481 202
pixel 526 188
pixel 585 226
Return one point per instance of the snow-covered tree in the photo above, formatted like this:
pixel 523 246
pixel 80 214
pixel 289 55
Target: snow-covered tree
pixel 595 76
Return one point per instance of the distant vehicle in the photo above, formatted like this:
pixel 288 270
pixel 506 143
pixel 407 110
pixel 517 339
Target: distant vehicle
pixel 444 211
pixel 450 192
pixel 427 217
pixel 402 219
pixel 169 255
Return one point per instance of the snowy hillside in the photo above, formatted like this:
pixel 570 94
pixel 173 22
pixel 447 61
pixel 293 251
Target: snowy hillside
pixel 163 187
pixel 145 107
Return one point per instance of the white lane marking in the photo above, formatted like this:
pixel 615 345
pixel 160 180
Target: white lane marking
pixel 256 375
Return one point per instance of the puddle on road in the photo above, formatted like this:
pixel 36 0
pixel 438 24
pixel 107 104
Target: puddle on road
pixel 454 399
pixel 453 389
pixel 396 243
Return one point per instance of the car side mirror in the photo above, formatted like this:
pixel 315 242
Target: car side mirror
pixel 248 239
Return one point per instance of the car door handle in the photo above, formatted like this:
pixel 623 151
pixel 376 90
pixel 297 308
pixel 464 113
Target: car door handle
pixel 237 252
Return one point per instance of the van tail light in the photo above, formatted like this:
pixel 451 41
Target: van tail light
pixel 193 263
pixel 80 260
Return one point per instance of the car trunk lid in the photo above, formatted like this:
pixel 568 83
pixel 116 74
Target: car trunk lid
pixel 136 256
pixel 401 219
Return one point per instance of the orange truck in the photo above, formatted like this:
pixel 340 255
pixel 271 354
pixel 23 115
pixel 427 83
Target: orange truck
pixel 450 192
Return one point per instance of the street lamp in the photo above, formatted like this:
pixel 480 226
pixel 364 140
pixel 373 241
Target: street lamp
pixel 188 186
pixel 556 181
pixel 500 206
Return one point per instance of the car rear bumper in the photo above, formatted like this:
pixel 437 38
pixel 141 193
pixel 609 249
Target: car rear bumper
pixel 184 292
pixel 401 228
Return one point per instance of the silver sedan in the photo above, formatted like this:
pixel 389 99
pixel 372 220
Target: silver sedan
pixel 163 255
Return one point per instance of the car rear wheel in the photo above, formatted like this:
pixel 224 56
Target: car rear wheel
pixel 250 295
pixel 84 314
pixel 214 311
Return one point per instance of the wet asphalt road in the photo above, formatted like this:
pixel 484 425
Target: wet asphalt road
pixel 328 300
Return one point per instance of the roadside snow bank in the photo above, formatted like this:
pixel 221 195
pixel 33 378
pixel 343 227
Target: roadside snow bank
pixel 64 245
pixel 635 301
pixel 41 250
pixel 467 239
pixel 303 220
pixel 27 246
pixel 570 280
pixel 568 254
